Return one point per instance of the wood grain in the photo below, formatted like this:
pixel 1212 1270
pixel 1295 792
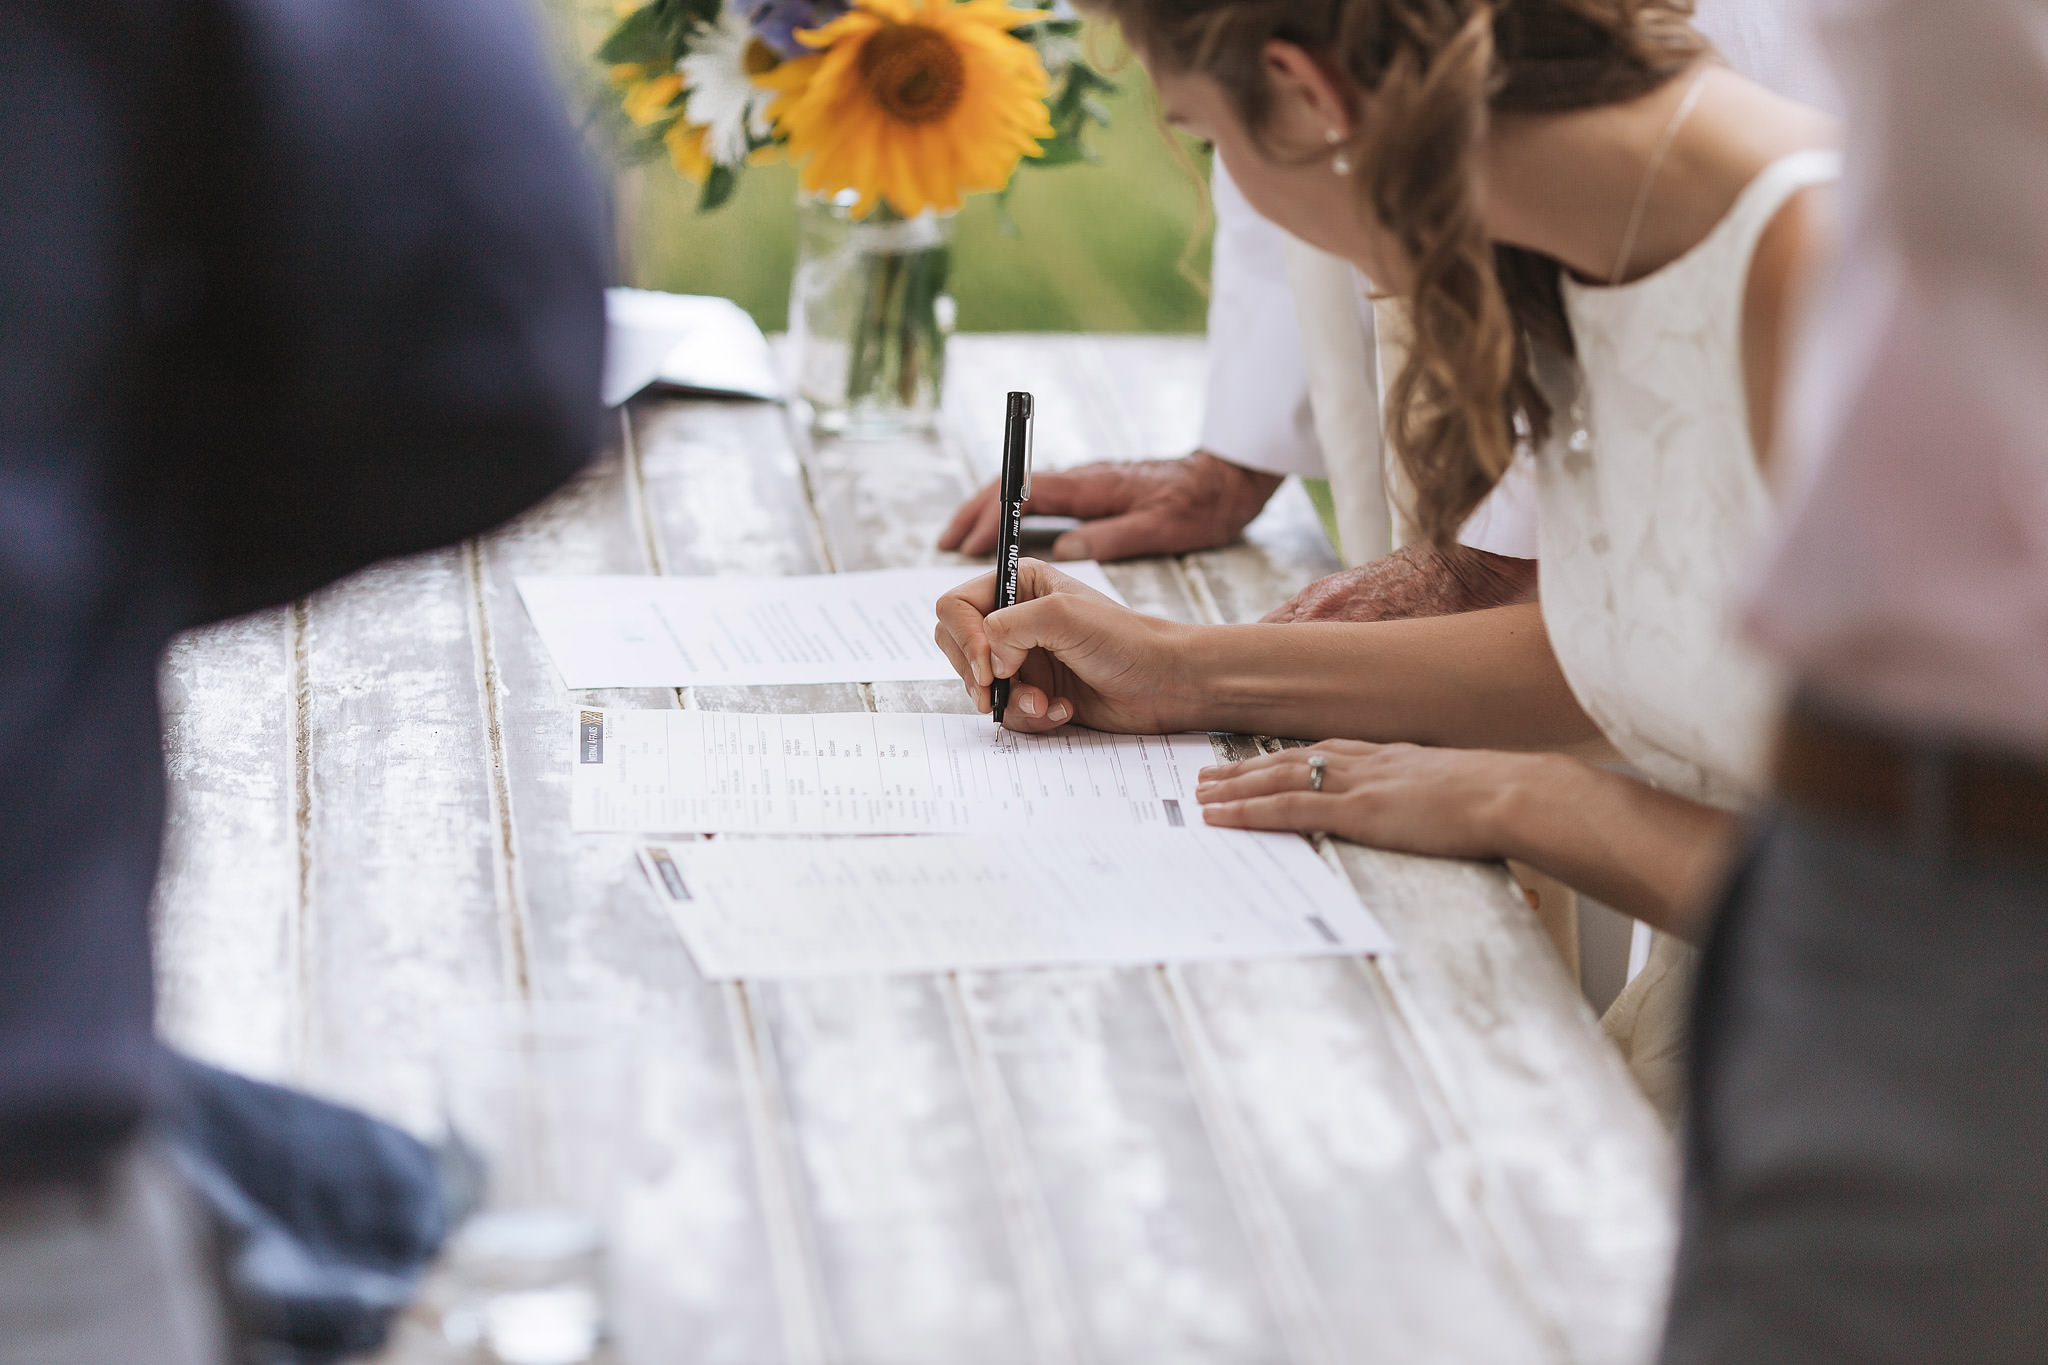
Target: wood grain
pixel 1126 1237
pixel 1573 1171
pixel 899 1208
pixel 227 904
pixel 405 921
pixel 1433 1157
pixel 698 1250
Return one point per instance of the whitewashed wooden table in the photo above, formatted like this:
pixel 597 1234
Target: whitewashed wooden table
pixel 1431 1157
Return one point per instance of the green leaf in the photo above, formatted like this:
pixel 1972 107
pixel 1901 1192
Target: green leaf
pixel 1062 152
pixel 1073 110
pixel 1005 224
pixel 641 37
pixel 1039 32
pixel 718 187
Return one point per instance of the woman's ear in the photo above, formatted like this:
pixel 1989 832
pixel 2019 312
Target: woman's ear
pixel 1311 106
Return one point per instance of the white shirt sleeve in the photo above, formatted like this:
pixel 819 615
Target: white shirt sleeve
pixel 1505 524
pixel 1256 410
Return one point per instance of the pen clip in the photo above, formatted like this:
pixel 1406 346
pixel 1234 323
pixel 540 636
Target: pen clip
pixel 1020 414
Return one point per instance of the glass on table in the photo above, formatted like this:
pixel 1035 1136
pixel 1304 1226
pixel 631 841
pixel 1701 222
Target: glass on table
pixel 537 1100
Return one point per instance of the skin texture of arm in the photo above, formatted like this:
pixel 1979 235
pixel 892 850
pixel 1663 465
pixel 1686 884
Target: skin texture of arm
pixel 1640 850
pixel 1145 507
pixel 1416 580
pixel 1476 679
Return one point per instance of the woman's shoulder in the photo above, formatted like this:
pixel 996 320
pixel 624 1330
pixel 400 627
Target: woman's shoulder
pixel 1791 250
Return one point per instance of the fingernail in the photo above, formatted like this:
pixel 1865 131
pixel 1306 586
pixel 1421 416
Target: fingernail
pixel 1210 774
pixel 1060 711
pixel 1072 545
pixel 1028 705
pixel 980 674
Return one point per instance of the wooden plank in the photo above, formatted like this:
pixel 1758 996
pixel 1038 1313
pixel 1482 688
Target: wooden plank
pixel 1339 1271
pixel 702 1261
pixel 226 908
pixel 404 917
pixel 1577 1172
pixel 1282 552
pixel 1316 1102
pixel 982 369
pixel 1574 1172
pixel 1116 1159
pixel 1149 390
pixel 899 1210
pixel 1127 1231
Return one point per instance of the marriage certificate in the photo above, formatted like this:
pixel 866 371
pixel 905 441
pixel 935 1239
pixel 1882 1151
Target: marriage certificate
pixel 860 772
pixel 766 909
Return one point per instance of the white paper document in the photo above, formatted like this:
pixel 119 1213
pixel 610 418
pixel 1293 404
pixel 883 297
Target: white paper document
pixel 692 343
pixel 642 630
pixel 768 909
pixel 728 772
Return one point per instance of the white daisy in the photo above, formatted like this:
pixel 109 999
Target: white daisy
pixel 719 78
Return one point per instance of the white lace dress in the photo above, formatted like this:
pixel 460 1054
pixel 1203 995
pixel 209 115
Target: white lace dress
pixel 1651 506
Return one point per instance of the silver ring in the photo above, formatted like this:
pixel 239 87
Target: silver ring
pixel 1316 764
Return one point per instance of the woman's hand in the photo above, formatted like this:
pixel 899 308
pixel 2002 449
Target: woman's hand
pixel 1443 802
pixel 1071 654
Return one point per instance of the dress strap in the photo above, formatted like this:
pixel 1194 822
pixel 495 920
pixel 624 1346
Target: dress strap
pixel 1758 204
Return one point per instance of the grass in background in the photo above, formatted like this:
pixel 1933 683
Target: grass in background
pixel 1097 248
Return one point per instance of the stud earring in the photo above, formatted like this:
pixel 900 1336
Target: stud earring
pixel 1341 163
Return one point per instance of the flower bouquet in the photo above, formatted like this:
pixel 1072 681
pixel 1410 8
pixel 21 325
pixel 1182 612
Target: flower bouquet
pixel 892 111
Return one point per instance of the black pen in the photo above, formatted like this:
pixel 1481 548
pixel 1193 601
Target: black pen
pixel 1015 491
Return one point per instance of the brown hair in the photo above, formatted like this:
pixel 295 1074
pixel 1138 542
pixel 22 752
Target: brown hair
pixel 1438 69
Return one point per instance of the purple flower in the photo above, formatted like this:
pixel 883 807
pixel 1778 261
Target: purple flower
pixel 775 22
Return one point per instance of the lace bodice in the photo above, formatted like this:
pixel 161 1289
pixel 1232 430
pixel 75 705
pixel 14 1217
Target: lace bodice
pixel 1652 503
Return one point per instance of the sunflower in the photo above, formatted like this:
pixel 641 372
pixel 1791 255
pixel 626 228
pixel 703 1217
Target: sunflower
pixel 915 102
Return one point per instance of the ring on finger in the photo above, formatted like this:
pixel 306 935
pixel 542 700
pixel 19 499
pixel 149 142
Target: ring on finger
pixel 1316 764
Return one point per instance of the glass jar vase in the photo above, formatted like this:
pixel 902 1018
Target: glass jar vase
pixel 869 316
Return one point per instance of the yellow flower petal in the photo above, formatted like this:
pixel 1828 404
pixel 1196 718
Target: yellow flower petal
pixel 915 102
pixel 686 150
pixel 648 101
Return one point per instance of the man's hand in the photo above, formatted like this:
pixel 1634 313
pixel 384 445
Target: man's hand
pixel 1151 507
pixel 1412 582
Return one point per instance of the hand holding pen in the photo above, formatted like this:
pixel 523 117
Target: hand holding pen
pixel 1066 653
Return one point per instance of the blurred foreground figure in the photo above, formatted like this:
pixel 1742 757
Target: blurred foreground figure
pixel 1866 1174
pixel 284 289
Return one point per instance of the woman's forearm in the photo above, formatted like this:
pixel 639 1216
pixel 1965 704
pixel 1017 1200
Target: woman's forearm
pixel 1482 679
pixel 1642 851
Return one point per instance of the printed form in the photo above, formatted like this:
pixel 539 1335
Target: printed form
pixel 860 772
pixel 648 630
pixel 784 909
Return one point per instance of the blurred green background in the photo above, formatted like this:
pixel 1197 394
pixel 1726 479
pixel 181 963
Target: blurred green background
pixel 1117 246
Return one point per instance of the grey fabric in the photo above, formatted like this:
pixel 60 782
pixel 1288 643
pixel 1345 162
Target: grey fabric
pixel 112 1270
pixel 326 1217
pixel 1867 1162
